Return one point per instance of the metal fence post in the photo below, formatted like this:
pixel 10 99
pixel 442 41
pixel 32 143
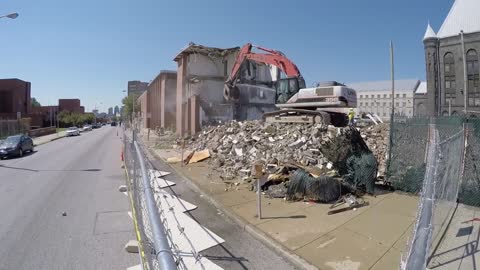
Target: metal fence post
pixel 163 252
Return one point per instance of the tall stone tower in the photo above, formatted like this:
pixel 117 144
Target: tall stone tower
pixel 430 42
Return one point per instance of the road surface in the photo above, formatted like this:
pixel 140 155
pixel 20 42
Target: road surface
pixel 79 176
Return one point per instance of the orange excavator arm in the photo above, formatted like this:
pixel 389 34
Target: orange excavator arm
pixel 272 57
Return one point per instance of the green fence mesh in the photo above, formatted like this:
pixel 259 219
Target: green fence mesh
pixel 409 138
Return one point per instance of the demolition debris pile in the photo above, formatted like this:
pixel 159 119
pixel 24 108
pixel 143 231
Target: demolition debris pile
pixel 376 138
pixel 282 149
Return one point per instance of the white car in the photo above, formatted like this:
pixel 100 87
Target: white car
pixel 87 128
pixel 73 131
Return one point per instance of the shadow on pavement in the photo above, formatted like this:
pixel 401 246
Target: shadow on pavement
pixel 35 170
pixel 469 249
pixel 286 217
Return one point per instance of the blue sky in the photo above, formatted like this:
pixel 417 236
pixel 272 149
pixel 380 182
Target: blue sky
pixel 89 49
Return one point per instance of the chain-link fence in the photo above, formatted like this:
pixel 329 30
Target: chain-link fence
pixel 428 157
pixel 13 127
pixel 154 246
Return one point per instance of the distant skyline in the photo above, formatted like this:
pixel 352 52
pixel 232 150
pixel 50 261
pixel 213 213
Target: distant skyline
pixel 90 49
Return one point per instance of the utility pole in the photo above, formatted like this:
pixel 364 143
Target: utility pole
pixel 392 76
pixel 465 82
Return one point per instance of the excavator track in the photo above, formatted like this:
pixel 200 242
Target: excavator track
pixel 300 116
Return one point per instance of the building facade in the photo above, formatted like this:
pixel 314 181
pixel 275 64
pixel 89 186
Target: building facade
pixel 201 75
pixel 136 88
pixel 376 98
pixel 452 62
pixel 70 105
pixel 110 111
pixel 15 99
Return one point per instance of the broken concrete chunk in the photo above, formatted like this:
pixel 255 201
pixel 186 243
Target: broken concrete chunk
pixel 329 165
pixel 271 139
pixel 173 160
pixel 239 152
pixel 256 138
pixel 132 246
pixel 245 172
pixel 122 188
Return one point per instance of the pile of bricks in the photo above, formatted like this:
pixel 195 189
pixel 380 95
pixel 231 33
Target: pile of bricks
pixel 236 146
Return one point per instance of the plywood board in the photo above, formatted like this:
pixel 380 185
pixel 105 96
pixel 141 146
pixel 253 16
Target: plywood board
pixel 199 156
pixel 171 201
pixel 159 173
pixel 187 234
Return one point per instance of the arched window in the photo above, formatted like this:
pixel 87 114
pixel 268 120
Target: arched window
pixel 449 68
pixel 473 79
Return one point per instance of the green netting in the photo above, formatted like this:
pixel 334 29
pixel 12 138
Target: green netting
pixel 409 137
pixel 470 188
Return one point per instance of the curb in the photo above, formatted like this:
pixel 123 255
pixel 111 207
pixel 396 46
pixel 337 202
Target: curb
pixel 278 248
pixel 54 139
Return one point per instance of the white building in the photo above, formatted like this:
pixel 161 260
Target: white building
pixel 376 97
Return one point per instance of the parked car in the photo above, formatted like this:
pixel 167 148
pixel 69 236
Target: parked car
pixel 16 146
pixel 87 128
pixel 95 125
pixel 113 124
pixel 73 131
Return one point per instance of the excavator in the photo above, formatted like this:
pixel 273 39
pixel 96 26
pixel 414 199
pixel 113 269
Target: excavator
pixel 323 104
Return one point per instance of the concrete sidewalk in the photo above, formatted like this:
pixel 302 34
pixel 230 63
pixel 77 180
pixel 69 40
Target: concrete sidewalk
pixel 48 138
pixel 373 237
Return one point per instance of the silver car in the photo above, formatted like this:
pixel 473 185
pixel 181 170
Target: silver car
pixel 73 131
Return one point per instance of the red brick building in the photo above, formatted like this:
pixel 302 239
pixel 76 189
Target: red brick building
pixel 70 105
pixel 14 98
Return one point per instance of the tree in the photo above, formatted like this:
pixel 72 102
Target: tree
pixel 128 102
pixel 75 119
pixel 35 103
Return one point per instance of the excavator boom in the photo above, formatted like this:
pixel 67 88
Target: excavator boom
pixel 297 104
pixel 272 57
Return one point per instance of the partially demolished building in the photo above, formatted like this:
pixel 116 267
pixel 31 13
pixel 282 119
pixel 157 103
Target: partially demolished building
pixel 192 96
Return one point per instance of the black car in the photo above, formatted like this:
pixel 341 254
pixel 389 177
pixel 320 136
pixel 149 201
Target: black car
pixel 113 124
pixel 16 146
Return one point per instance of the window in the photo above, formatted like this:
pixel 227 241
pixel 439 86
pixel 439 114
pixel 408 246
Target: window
pixel 449 67
pixel 404 95
pixel 378 96
pixel 396 104
pixel 404 104
pixel 384 114
pixel 473 79
pixel 384 104
pixel 361 104
pixel 385 96
pixel 398 95
pixel 361 96
pixel 366 103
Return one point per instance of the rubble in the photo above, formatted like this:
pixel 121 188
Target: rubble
pixel 376 138
pixel 282 149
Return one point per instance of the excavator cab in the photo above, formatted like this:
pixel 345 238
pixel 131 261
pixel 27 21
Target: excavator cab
pixel 287 87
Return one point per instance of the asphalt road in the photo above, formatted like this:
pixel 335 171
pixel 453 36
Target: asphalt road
pixel 76 175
